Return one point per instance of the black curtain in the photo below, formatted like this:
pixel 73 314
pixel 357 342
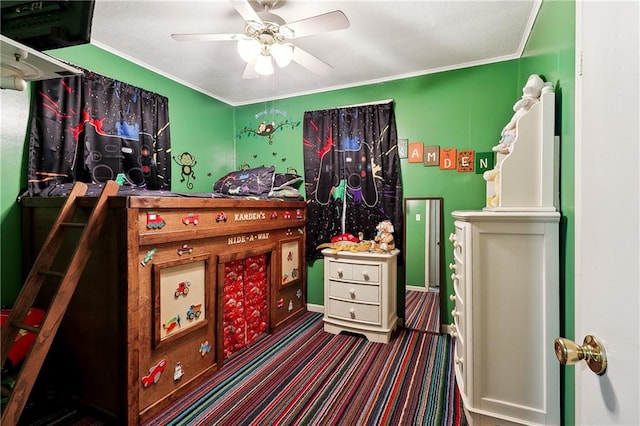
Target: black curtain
pixel 352 173
pixel 91 128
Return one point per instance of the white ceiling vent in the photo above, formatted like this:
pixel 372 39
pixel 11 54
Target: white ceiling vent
pixel 21 63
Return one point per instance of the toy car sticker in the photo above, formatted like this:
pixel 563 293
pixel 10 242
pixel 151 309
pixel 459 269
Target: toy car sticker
pixel 191 218
pixel 154 373
pixel 194 312
pixel 221 217
pixel 182 288
pixel 184 249
pixel 154 221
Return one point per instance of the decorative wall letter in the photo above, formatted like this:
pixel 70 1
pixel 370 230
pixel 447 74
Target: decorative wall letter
pixel 415 152
pixel 484 161
pixel 403 145
pixel 431 155
pixel 465 161
pixel 448 159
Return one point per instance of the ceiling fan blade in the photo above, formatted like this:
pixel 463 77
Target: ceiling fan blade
pixel 330 21
pixel 244 8
pixel 250 72
pixel 310 62
pixel 207 37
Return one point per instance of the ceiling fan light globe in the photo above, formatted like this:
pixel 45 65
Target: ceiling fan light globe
pixel 287 32
pixel 264 66
pixel 248 49
pixel 282 53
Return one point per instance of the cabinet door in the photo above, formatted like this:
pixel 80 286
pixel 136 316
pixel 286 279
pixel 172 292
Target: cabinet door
pixel 290 291
pixel 244 299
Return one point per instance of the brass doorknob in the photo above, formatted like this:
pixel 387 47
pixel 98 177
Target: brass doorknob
pixel 569 352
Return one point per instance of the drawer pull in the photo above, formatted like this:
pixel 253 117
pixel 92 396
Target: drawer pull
pixel 365 275
pixel 340 272
pixel 352 293
pixel 352 313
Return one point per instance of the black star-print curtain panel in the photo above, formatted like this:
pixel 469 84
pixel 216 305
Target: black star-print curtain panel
pixel 352 173
pixel 92 128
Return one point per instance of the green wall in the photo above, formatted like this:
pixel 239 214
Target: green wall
pixel 199 125
pixel 415 230
pixel 550 51
pixel 462 109
pixel 15 112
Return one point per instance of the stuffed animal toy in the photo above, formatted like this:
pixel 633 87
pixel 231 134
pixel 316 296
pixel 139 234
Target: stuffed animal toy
pixel 493 175
pixel 348 237
pixel 383 241
pixel 530 95
pixel 351 246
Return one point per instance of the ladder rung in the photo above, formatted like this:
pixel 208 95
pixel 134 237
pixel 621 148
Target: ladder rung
pixel 73 224
pixel 26 327
pixel 32 363
pixel 51 273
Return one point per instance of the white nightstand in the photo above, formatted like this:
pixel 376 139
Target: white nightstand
pixel 360 293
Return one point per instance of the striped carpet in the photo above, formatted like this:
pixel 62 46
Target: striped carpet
pixel 305 376
pixel 422 310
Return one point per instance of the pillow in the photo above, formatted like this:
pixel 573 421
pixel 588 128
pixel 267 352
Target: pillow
pixel 281 180
pixel 256 181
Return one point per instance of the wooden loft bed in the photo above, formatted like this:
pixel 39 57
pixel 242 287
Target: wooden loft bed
pixel 163 300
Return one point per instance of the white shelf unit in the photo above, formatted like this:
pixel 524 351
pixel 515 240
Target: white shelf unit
pixel 506 316
pixel 527 176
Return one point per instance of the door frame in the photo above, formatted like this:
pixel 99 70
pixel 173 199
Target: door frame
pixel 607 201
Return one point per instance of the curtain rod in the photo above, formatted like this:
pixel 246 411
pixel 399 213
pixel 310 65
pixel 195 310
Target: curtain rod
pixel 386 101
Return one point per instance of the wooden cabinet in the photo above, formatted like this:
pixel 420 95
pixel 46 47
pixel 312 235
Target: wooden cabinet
pixel 505 278
pixel 146 324
pixel 360 293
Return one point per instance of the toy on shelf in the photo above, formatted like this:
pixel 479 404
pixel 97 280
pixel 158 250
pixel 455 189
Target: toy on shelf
pixel 525 174
pixel 530 95
pixel 346 246
pixel 384 241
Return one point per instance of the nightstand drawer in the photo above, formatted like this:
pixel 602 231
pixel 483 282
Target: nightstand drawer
pixel 354 311
pixel 354 292
pixel 364 272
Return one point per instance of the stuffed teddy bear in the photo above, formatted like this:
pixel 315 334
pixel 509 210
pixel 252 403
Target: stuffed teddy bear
pixel 493 175
pixel 383 241
pixel 530 95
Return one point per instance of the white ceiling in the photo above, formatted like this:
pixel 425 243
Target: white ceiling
pixel 386 40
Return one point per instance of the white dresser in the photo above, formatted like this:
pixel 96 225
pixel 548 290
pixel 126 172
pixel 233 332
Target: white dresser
pixel 506 316
pixel 360 293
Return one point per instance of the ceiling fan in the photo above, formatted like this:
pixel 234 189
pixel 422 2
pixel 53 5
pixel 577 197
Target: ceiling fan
pixel 267 36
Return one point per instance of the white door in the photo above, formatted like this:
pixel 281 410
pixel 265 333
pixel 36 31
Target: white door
pixel 607 281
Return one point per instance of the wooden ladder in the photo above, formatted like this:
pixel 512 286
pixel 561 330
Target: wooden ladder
pixel 45 333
